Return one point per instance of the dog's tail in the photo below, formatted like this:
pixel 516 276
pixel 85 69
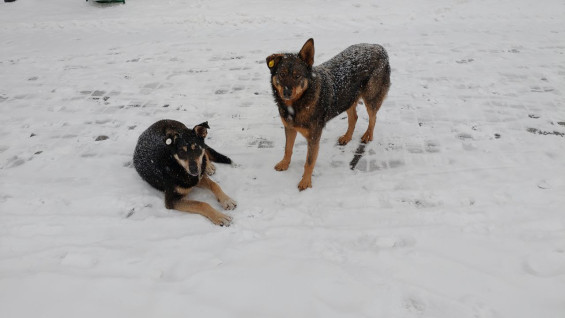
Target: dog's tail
pixel 216 156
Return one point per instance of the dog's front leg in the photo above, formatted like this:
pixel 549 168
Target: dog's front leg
pixel 176 201
pixel 204 209
pixel 226 202
pixel 290 135
pixel 313 147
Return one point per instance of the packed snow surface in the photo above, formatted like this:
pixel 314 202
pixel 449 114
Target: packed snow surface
pixel 455 210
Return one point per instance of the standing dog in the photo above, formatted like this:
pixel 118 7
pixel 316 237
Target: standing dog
pixel 308 97
pixel 174 159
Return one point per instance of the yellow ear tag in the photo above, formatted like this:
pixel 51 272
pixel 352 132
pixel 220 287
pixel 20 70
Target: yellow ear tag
pixel 271 63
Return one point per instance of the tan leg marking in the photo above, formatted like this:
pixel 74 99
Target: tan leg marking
pixel 373 104
pixel 290 135
pixel 226 202
pixel 311 157
pixel 203 209
pixel 368 135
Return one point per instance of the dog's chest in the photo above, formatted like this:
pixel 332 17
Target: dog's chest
pixel 302 127
pixel 293 118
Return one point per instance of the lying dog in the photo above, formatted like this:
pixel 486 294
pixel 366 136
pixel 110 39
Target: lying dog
pixel 308 97
pixel 174 159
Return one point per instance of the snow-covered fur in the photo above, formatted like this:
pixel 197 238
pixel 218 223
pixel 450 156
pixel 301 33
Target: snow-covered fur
pixel 309 96
pixel 174 159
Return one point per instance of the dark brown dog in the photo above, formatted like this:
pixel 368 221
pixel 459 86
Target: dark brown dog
pixel 175 159
pixel 308 97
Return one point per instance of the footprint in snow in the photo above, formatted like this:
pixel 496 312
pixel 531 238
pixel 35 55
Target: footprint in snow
pixel 78 260
pixel 14 161
pixel 366 165
pixel 546 263
pixel 262 143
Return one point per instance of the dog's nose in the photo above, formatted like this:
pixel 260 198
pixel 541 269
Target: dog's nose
pixel 193 168
pixel 287 92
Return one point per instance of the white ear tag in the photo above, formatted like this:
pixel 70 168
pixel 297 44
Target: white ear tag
pixel 168 141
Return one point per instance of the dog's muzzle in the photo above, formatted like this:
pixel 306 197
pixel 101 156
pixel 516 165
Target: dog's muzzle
pixel 193 169
pixel 287 92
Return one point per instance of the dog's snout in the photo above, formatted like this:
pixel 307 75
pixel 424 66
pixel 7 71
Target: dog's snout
pixel 193 168
pixel 287 92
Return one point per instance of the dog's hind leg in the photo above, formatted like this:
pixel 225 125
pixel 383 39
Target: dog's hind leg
pixel 174 201
pixel 373 104
pixel 372 108
pixel 351 121
pixel 374 94
pixel 368 135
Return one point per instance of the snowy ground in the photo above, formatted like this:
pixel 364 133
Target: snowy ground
pixel 457 209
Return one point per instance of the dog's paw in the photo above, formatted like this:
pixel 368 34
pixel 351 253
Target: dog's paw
pixel 343 140
pixel 221 219
pixel 210 169
pixel 228 203
pixel 367 137
pixel 282 166
pixel 304 184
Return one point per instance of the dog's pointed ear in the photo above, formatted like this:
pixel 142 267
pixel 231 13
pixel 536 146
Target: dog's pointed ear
pixel 307 52
pixel 273 60
pixel 201 130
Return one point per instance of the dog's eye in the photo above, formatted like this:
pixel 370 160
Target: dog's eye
pixel 297 76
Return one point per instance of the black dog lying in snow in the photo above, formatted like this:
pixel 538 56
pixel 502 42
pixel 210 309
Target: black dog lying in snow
pixel 174 159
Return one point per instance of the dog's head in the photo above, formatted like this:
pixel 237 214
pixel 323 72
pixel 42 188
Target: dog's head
pixel 292 73
pixel 187 147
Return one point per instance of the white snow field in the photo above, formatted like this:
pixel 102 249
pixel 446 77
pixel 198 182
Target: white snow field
pixel 455 210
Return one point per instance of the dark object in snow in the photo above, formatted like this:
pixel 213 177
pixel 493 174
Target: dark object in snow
pixel 101 137
pixel 109 1
pixel 130 213
pixel 358 154
pixel 174 159
pixel 545 133
pixel 309 96
pixel 12 0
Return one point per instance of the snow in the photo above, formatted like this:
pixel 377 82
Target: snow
pixel 456 209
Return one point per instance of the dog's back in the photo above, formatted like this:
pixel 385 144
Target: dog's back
pixel 155 162
pixel 150 157
pixel 361 69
